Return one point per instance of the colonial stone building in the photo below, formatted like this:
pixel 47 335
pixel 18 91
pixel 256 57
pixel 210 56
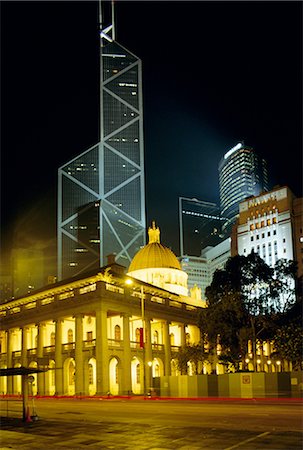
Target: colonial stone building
pixel 105 332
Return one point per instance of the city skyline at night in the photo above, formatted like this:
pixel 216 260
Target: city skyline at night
pixel 235 75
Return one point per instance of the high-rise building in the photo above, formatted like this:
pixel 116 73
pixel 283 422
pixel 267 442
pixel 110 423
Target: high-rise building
pixel 200 270
pixel 271 225
pixel 242 174
pixel 101 194
pixel 200 225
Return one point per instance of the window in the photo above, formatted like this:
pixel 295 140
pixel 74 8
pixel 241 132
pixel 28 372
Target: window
pixel 258 237
pixel 263 235
pixel 274 220
pixel 251 238
pixel 268 222
pixel 70 336
pixel 187 338
pixel 268 234
pixel 117 333
pixel 172 339
pixel 275 232
pixel 284 240
pixel 252 227
pixel 156 337
pixel 52 338
pixel 89 335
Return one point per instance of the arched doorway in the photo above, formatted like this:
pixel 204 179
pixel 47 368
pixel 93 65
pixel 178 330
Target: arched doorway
pixel 69 376
pixel 174 368
pixel 92 385
pixel 137 375
pixel 114 376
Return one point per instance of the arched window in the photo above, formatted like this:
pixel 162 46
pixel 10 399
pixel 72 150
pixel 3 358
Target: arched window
pixel 70 336
pixel 172 339
pixel 156 337
pixel 157 370
pixel 52 338
pixel 117 333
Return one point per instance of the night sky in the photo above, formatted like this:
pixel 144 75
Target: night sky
pixel 214 73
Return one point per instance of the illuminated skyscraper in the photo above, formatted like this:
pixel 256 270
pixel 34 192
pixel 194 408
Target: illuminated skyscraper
pixel 200 225
pixel 242 173
pixel 101 194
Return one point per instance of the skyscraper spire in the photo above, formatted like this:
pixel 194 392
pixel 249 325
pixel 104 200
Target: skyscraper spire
pixel 107 32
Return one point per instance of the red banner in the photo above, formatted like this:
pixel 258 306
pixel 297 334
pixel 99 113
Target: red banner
pixel 141 338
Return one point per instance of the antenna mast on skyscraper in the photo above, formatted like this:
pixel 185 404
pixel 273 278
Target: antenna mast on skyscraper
pixel 108 33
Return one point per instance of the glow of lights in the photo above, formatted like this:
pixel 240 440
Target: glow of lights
pixel 258 361
pixel 128 282
pixel 150 363
pixel 269 362
pixel 232 150
pixel 278 363
pixel 247 360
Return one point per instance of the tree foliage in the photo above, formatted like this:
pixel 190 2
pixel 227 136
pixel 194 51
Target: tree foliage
pixel 289 344
pixel 190 353
pixel 244 302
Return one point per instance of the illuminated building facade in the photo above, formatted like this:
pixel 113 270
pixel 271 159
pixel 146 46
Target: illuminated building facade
pixel 101 194
pixel 200 270
pixel 242 174
pixel 102 332
pixel 271 225
pixel 200 225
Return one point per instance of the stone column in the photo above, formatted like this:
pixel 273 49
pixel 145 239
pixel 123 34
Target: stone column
pixel 40 345
pixel 9 359
pixel 167 348
pixel 102 363
pixel 79 384
pixel 126 375
pixel 58 357
pixel 24 345
pixel 182 335
pixel 148 356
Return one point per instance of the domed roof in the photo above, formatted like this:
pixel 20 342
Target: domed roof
pixel 154 254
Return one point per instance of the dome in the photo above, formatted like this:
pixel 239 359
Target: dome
pixel 154 254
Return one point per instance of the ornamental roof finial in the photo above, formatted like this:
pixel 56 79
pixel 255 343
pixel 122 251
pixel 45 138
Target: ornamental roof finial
pixel 154 233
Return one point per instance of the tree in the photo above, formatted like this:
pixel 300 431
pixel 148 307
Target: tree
pixel 283 292
pixel 239 305
pixel 190 353
pixel 289 344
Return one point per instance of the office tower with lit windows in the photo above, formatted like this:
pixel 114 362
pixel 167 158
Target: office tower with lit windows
pixel 200 225
pixel 242 174
pixel 101 194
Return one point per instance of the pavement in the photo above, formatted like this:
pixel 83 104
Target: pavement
pixel 149 425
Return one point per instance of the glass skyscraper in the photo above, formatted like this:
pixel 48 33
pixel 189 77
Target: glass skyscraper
pixel 200 225
pixel 242 173
pixel 101 194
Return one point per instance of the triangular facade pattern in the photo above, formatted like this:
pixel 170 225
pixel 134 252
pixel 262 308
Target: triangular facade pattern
pixel 101 199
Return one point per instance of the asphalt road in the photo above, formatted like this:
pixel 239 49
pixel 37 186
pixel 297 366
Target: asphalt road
pixel 158 424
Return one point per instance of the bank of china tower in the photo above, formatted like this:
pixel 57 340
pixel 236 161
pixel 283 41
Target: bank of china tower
pixel 101 195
